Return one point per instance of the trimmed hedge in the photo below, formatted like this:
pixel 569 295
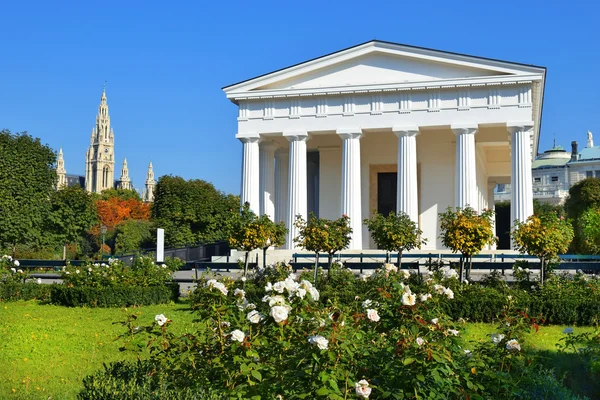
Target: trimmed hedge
pixel 122 296
pixel 24 291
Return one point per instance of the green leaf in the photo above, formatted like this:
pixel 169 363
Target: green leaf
pixel 408 360
pixel 256 375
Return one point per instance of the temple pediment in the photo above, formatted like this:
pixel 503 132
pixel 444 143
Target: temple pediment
pixel 375 64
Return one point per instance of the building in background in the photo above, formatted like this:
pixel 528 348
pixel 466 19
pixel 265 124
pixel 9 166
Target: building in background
pixel 556 170
pixel 100 161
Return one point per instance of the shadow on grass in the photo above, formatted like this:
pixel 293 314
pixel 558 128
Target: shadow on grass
pixel 574 371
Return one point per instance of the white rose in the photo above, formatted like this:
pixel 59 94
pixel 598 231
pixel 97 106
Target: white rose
pixel 320 341
pixel 254 317
pixel 239 293
pixel 439 289
pixel 420 341
pixel 39 281
pixel 453 332
pixel 279 287
pixel 497 338
pixel 367 303
pixel 238 335
pixel 279 313
pixel 362 389
pixel 276 301
pixel 434 321
pixel 306 284
pixel 301 293
pixel 14 270
pixel 268 287
pixel 89 269
pixel 16 262
pixel 314 293
pixel 449 293
pixel 243 279
pixel 425 297
pixel 513 345
pixel 20 271
pixel 160 319
pixel 373 315
pixel 76 271
pixel 409 299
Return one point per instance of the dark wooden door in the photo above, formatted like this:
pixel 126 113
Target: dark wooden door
pixel 386 192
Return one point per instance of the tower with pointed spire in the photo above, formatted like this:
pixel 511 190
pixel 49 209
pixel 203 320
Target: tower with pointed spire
pixel 100 157
pixel 124 181
pixel 148 194
pixel 61 172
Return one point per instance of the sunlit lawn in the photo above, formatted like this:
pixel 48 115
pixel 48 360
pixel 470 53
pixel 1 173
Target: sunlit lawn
pixel 46 350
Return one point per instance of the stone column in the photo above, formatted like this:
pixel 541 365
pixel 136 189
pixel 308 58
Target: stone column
pixel 407 199
pixel 297 193
pixel 491 205
pixel 466 172
pixel 521 201
pixel 281 183
pixel 267 178
pixel 351 188
pixel 250 172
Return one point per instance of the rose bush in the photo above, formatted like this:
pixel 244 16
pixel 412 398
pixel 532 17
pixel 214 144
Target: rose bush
pixel 284 339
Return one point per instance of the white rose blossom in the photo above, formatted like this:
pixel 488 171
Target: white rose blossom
pixel 372 315
pixel 239 293
pixel 279 313
pixel 238 335
pixel 314 293
pixel 279 287
pixel 434 321
pixel 409 299
pixel 160 319
pixel 14 270
pixel 367 303
pixel 439 289
pixel 449 293
pixel 268 287
pixel 453 332
pixel 301 292
pixel 497 338
pixel 213 283
pixel 39 281
pixel 16 262
pixel 425 297
pixel 320 341
pixel 255 317
pixel 362 389
pixel 420 341
pixel 20 271
pixel 513 345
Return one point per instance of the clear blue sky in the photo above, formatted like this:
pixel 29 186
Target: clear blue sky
pixel 165 64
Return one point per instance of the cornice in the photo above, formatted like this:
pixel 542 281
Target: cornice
pixel 497 80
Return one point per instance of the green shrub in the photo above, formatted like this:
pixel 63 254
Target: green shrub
pixel 113 296
pixel 24 291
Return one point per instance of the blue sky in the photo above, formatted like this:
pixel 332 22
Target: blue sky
pixel 165 65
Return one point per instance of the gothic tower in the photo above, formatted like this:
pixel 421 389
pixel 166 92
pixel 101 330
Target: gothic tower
pixel 124 181
pixel 100 157
pixel 150 183
pixel 61 173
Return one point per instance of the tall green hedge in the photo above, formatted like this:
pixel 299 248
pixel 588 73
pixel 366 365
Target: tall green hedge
pixel 24 291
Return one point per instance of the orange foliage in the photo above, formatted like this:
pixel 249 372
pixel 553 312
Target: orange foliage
pixel 113 211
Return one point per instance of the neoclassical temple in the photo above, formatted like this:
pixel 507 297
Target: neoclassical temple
pixel 383 127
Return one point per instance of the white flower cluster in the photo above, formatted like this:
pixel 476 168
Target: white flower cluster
pixel 362 389
pixel 439 289
pixel 293 288
pixel 238 335
pixel 448 272
pixel 513 346
pixel 320 341
pixel 213 283
pixel 408 297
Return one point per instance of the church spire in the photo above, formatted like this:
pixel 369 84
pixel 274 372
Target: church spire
pixel 124 181
pixel 100 158
pixel 60 170
pixel 150 184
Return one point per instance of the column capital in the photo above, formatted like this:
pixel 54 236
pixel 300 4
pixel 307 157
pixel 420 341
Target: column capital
pixel 464 129
pixel 349 133
pixel 294 136
pixel 411 130
pixel 251 137
pixel 267 144
pixel 519 126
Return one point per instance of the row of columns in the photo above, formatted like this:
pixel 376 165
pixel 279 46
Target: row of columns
pixel 274 181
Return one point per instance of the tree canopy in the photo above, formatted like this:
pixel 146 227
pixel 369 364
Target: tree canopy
pixel 192 211
pixel 27 179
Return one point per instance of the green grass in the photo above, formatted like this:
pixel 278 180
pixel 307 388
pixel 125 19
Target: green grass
pixel 46 350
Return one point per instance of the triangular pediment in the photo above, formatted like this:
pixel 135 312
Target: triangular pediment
pixel 380 63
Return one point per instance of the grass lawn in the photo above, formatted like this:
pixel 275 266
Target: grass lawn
pixel 46 350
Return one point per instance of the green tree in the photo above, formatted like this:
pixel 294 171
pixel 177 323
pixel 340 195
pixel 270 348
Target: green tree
pixel 133 235
pixel 321 234
pixel 192 211
pixel 583 195
pixel 251 232
pixel 467 232
pixel 544 236
pixel 72 214
pixel 27 178
pixel 588 229
pixel 540 207
pixel 123 194
pixel 396 232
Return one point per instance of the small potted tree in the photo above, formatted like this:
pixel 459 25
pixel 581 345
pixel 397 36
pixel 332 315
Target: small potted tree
pixel 467 232
pixel 323 235
pixel 396 232
pixel 544 236
pixel 274 232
